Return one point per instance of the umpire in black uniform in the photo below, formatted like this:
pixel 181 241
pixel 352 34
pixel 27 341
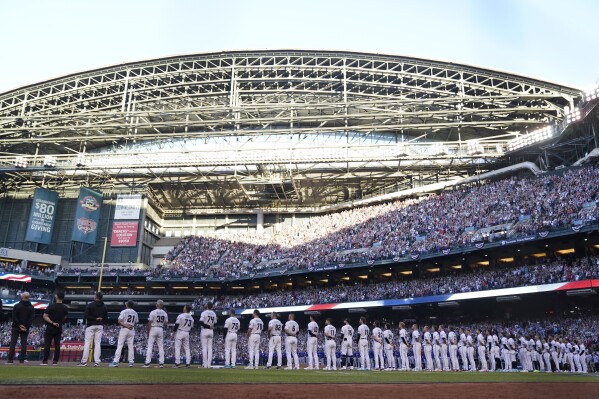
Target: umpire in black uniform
pixel 22 319
pixel 54 316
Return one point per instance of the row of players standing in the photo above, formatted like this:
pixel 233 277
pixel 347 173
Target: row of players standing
pixel 494 350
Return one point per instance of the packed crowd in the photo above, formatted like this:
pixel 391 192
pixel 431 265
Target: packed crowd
pixel 451 219
pixel 449 282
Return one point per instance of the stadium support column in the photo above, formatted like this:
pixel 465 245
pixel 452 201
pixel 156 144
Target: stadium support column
pixel 260 222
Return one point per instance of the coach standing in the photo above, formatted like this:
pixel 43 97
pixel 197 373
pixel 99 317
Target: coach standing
pixel 54 316
pixel 95 316
pixel 22 318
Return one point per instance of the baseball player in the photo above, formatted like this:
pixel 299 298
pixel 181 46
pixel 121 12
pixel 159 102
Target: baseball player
pixel 463 349
pixel 330 346
pixel 444 348
pixel 183 326
pixel 482 351
pixel 539 353
pixel 388 347
pixel 570 355
pixel 95 317
pixel 254 330
pixel 583 357
pixel 532 354
pixel 377 346
pixel 453 349
pixel 347 345
pixel 231 327
pixel 128 318
pixel 363 333
pixel 546 355
pixel 403 347
pixel 495 351
pixel 207 322
pixel 157 321
pixel 523 353
pixel 555 347
pixel 291 329
pixel 470 350
pixel 512 345
pixel 576 355
pixel 312 345
pixel 274 331
pixel 437 348
pixel 417 348
pixel 505 352
pixel 428 348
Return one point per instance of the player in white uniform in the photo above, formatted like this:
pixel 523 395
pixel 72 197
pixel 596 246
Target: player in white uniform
pixel 363 333
pixel 583 357
pixel 428 349
pixel 546 355
pixel 330 346
pixel 539 355
pixel 312 345
pixel 275 327
pixel 532 354
pixel 232 326
pixel 207 322
pixel 417 347
pixel 127 319
pixel 470 349
pixel 505 354
pixel 347 345
pixel 453 349
pixel 377 346
pixel 496 352
pixel 403 347
pixel 157 321
pixel 291 329
pixel 437 348
pixel 463 349
pixel 523 352
pixel 570 356
pixel 388 347
pixel 444 348
pixel 512 345
pixel 576 354
pixel 482 351
pixel 555 347
pixel 183 326
pixel 490 350
pixel 254 330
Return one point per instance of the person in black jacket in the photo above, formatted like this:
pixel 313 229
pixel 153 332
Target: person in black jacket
pixel 95 315
pixel 54 316
pixel 22 319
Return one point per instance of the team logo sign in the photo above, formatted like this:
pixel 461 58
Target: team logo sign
pixel 86 225
pixel 89 203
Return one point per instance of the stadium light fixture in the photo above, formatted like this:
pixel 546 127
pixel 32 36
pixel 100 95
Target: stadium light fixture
pixel 534 137
pixel 474 147
pixel 592 93
pixel 81 160
pixel 572 115
pixel 21 162
pixel 49 161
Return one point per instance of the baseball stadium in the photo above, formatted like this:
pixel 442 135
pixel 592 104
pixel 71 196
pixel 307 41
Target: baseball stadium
pixel 239 223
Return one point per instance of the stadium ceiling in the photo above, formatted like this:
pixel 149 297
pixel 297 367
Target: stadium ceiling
pixel 267 129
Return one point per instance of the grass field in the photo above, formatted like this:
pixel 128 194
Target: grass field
pixel 137 375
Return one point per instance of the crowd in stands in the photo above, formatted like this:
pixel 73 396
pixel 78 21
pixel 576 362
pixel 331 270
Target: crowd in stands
pixel 450 219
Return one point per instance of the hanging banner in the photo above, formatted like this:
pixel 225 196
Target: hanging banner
pixel 127 207
pixel 41 216
pixel 124 234
pixel 85 228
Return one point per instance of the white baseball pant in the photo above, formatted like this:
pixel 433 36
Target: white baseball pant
pixel 444 357
pixel 206 338
pixel 577 362
pixel 274 343
pixel 182 338
pixel 417 347
pixel 230 349
pixel 347 349
pixel 403 357
pixel 156 335
pixel 390 356
pixel 330 346
pixel 464 355
pixel 377 349
pixel 507 360
pixel 470 351
pixel 428 356
pixel 482 358
pixel 291 351
pixel 312 348
pixel 254 349
pixel 364 355
pixel 453 354
pixel 437 357
pixel 125 336
pixel 93 333
pixel 547 359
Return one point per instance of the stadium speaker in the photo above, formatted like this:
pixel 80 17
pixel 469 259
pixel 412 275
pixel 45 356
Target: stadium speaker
pixel 582 292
